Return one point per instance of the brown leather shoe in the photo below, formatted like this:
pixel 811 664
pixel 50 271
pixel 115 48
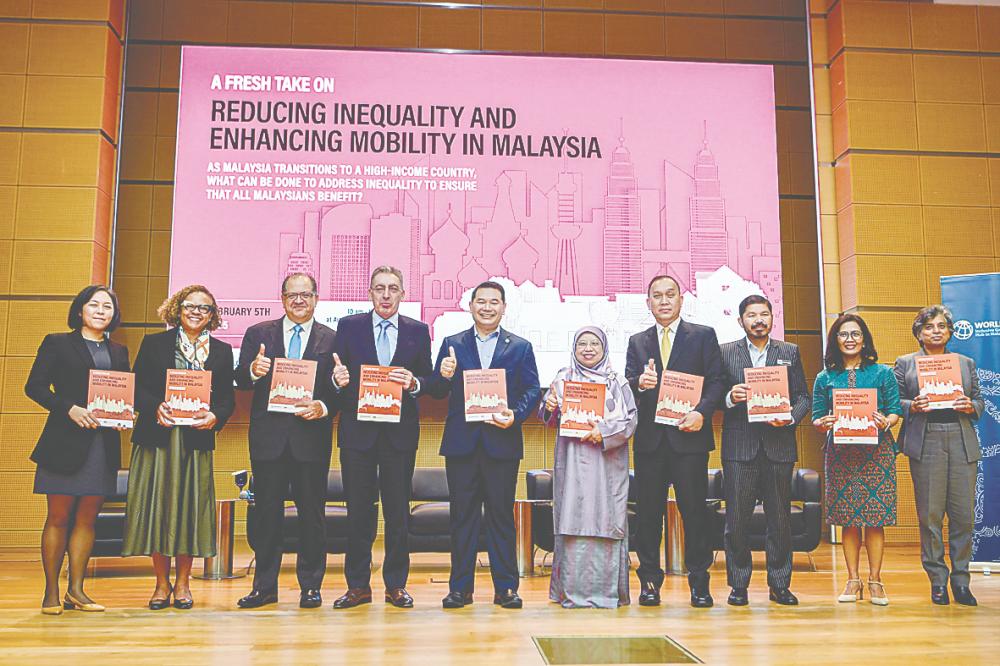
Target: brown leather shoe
pixel 354 597
pixel 399 598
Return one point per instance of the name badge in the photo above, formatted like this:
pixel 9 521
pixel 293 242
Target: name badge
pixel 782 361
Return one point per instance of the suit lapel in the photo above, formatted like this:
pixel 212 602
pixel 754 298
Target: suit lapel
pixel 678 341
pixel 772 353
pixel 744 354
pixel 401 339
pixel 166 350
pixel 76 340
pixel 469 341
pixel 314 335
pixel 278 339
pixel 503 341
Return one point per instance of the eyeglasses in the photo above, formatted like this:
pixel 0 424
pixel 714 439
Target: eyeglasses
pixel 195 307
pixel 392 289
pixel 299 295
pixel 850 335
pixel 587 344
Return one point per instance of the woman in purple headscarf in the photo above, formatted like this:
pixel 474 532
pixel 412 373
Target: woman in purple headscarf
pixel 590 482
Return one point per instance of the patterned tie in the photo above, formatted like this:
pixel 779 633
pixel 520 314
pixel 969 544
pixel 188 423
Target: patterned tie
pixel 382 344
pixel 295 344
pixel 665 347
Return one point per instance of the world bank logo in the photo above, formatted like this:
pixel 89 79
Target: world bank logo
pixel 963 329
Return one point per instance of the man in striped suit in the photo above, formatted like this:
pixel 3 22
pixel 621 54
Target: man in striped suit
pixel 757 458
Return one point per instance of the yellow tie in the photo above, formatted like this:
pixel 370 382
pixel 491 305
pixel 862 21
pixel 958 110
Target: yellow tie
pixel 665 347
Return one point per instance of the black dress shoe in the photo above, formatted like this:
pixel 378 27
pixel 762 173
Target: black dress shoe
pixel 650 595
pixel 310 599
pixel 256 599
pixel 507 599
pixel 457 600
pixel 939 595
pixel 738 597
pixel 783 596
pixel 183 604
pixel 160 604
pixel 399 597
pixel 354 597
pixel 701 599
pixel 963 595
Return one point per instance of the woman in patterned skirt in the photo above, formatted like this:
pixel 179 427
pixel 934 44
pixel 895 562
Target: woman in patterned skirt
pixel 860 480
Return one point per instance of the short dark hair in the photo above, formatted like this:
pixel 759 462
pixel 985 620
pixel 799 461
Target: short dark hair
pixel 833 359
pixel 290 276
pixel 928 313
pixel 657 278
pixel 75 318
pixel 489 284
pixel 754 299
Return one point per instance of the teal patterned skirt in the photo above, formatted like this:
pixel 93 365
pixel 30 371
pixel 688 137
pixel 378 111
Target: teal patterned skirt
pixel 860 484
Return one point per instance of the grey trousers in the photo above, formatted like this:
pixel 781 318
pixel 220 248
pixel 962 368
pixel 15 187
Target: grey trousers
pixel 944 482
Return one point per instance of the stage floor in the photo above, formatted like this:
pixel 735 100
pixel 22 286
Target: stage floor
pixel 819 631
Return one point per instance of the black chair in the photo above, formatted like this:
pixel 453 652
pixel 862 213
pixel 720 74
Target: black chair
pixel 335 518
pixel 429 525
pixel 807 515
pixel 539 487
pixel 109 528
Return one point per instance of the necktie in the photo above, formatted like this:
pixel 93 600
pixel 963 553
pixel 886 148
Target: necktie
pixel 665 347
pixel 382 344
pixel 295 344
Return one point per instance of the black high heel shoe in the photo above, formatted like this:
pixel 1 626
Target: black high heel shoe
pixel 183 604
pixel 160 604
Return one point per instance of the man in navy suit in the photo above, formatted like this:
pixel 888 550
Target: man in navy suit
pixel 678 454
pixel 377 458
pixel 289 449
pixel 482 458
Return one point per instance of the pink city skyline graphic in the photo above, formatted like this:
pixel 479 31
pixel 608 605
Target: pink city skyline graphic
pixel 530 230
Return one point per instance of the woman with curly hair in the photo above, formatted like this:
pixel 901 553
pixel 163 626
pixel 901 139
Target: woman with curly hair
pixel 170 510
pixel 860 480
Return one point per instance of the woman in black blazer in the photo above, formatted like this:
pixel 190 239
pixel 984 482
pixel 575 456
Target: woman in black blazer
pixel 77 460
pixel 170 511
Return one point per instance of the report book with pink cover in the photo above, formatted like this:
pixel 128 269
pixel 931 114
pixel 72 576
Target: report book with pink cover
pixel 485 394
pixel 939 377
pixel 111 398
pixel 188 392
pixel 583 402
pixel 679 394
pixel 853 409
pixel 768 398
pixel 379 398
pixel 292 381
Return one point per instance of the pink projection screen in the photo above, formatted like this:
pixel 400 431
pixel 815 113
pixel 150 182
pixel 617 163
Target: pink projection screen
pixel 571 181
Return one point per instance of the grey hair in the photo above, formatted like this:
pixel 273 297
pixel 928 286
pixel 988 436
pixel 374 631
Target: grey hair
pixel 928 313
pixel 391 270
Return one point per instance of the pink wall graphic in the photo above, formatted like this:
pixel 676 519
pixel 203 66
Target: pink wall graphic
pixel 676 172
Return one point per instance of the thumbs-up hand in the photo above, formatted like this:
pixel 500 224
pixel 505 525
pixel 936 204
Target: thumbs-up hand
pixel 648 378
pixel 552 399
pixel 341 375
pixel 449 364
pixel 261 364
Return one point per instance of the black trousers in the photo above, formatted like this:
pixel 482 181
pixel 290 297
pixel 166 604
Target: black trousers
pixel 382 471
pixel 482 487
pixel 271 479
pixel 772 483
pixel 688 472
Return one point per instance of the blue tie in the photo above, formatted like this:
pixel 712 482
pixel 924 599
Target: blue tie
pixel 382 344
pixel 295 344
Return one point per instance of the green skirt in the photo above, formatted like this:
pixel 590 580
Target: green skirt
pixel 171 501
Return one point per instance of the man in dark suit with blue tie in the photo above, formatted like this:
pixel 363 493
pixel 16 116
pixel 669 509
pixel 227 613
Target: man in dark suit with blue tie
pixel 757 458
pixel 482 458
pixel 677 455
pixel 377 458
pixel 289 449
